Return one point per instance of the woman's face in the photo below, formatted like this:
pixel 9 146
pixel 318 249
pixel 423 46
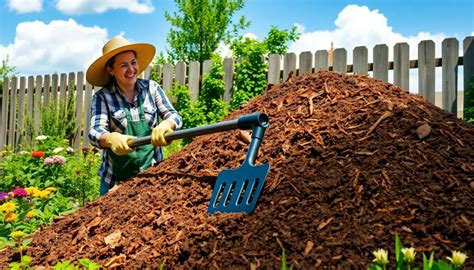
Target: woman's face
pixel 125 68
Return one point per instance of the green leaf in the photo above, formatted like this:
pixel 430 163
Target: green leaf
pixel 398 252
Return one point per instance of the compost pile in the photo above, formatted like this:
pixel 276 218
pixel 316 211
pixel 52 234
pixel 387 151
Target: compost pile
pixel 354 161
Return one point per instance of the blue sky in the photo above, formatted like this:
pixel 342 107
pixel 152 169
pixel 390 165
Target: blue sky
pixel 43 37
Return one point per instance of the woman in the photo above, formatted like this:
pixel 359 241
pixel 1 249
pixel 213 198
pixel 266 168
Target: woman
pixel 125 108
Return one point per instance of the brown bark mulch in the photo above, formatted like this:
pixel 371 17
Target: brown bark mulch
pixel 354 161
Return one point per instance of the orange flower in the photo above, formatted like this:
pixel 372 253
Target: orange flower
pixel 31 214
pixel 38 154
pixel 10 217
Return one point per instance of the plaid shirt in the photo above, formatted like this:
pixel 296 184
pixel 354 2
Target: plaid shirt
pixel 108 115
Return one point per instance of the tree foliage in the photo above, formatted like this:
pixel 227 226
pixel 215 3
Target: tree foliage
pixel 251 80
pixel 5 71
pixel 199 26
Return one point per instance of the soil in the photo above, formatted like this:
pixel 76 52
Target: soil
pixel 354 161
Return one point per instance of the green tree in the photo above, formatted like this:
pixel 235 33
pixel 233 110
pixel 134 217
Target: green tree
pixel 199 26
pixel 469 102
pixel 251 80
pixel 5 71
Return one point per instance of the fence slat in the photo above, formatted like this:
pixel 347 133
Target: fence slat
pixel 306 63
pixel 289 65
pixel 55 90
pixel 206 68
pixel 21 111
pixel 29 109
pixel 87 108
pixel 193 80
pixel 274 63
pixel 361 60
pixel 450 54
pixel 321 60
pixel 62 93
pixel 401 65
pixel 468 69
pixel 12 122
pixel 168 77
pixel 4 119
pixel 228 79
pixel 340 60
pixel 381 62
pixel 79 109
pixel 426 70
pixel 37 104
pixel 181 73
pixel 47 91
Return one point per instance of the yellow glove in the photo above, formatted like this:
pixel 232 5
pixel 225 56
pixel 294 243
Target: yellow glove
pixel 158 133
pixel 118 143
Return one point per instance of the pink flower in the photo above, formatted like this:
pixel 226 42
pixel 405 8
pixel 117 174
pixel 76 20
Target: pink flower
pixel 19 192
pixel 57 159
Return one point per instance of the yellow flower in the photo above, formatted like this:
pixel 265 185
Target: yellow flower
pixel 381 256
pixel 8 207
pixel 31 214
pixel 16 234
pixel 409 254
pixel 457 258
pixel 43 194
pixel 31 191
pixel 51 189
pixel 10 217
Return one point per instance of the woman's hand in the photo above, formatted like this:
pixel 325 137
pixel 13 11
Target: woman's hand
pixel 118 143
pixel 158 133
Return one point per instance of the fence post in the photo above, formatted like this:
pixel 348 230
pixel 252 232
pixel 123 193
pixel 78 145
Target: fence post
pixel 193 79
pixel 206 68
pixel 381 62
pixel 289 65
pixel 274 68
pixel 306 63
pixel 29 109
pixel 360 60
pixel 340 60
pixel 426 70
pixel 12 122
pixel 168 77
pixel 47 91
pixel 228 79
pixel 181 73
pixel 468 69
pixel 450 54
pixel 401 65
pixel 321 60
pixel 87 108
pixel 79 106
pixel 37 103
pixel 4 119
pixel 21 112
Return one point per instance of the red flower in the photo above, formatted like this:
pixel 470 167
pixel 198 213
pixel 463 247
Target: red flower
pixel 38 154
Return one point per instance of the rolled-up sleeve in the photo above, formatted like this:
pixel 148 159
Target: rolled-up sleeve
pixel 99 124
pixel 165 109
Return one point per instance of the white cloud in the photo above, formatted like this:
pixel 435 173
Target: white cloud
pixel 60 46
pixel 360 26
pixel 94 6
pixel 25 6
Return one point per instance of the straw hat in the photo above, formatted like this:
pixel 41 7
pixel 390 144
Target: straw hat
pixel 97 73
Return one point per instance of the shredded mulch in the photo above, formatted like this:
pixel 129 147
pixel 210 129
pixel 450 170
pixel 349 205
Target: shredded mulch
pixel 354 161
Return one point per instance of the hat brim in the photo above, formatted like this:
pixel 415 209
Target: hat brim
pixel 97 74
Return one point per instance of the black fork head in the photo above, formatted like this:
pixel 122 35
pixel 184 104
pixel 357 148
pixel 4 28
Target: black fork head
pixel 238 190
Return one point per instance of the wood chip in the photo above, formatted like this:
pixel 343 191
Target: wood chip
pixel 308 248
pixel 423 131
pixel 114 238
pixel 324 224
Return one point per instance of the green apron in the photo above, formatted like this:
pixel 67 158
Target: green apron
pixel 129 165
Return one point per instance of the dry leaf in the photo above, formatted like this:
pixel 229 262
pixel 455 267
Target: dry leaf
pixel 116 261
pixel 308 248
pixel 114 238
pixel 324 224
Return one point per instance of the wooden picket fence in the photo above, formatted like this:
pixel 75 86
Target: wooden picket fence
pixel 23 97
